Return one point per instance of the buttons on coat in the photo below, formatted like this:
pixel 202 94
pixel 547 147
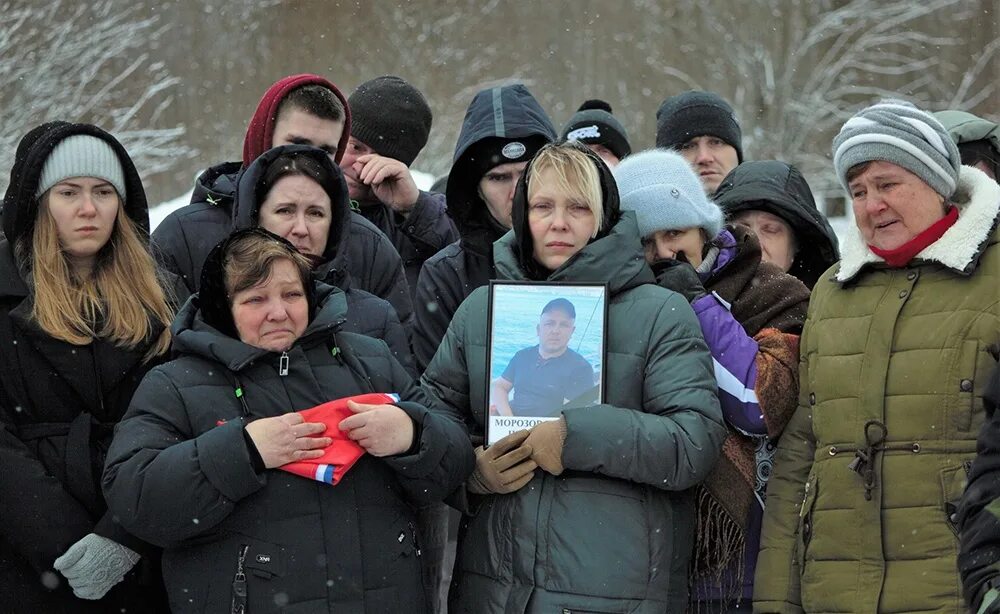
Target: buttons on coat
pixel 833 450
pixel 966 385
pixel 903 293
pixel 911 275
pixel 812 398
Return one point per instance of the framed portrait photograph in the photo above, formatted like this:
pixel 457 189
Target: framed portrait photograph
pixel 545 353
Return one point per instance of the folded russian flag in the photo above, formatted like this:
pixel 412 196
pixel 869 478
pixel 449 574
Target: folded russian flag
pixel 340 455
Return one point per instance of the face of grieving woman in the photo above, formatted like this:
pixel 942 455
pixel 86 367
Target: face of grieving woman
pixel 274 313
pixel 561 224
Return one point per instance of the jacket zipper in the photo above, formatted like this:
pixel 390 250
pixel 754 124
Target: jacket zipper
pixel 283 364
pixel 240 583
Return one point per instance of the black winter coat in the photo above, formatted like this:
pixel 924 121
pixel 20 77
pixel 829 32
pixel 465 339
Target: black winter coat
pixel 366 314
pixel 184 238
pixel 179 474
pixel 58 406
pixel 452 274
pixel 425 231
pixel 780 189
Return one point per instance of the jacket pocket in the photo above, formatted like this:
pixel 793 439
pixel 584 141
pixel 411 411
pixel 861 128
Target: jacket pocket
pixel 953 482
pixel 805 529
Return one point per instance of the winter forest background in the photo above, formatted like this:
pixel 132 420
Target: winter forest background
pixel 177 80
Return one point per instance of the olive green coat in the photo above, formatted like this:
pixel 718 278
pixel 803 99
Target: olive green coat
pixel 614 532
pixel 909 349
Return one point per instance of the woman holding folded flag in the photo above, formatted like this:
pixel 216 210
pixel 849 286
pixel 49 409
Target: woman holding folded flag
pixel 192 467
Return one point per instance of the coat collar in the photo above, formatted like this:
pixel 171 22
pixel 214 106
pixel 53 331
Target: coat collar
pixel 978 202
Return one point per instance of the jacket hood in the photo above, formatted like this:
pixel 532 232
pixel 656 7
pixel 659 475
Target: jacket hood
pixel 959 248
pixel 507 112
pixel 780 189
pixel 20 207
pixel 260 131
pixel 193 336
pixel 966 128
pixel 249 198
pixel 216 185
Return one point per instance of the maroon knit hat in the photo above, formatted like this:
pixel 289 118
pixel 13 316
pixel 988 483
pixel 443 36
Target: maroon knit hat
pixel 260 132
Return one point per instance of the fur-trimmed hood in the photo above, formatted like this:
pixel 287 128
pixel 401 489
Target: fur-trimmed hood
pixel 978 201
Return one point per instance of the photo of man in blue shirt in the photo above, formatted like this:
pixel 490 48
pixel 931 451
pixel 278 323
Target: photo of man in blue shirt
pixel 548 376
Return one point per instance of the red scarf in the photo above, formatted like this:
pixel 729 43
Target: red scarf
pixel 902 255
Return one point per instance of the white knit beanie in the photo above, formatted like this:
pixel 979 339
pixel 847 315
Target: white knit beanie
pixel 896 131
pixel 82 155
pixel 665 194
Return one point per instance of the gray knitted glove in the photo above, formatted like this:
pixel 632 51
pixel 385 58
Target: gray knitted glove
pixel 95 564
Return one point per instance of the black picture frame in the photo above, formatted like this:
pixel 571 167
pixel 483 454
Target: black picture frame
pixel 528 300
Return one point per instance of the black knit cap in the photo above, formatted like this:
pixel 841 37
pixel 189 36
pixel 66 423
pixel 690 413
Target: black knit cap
pixel 212 298
pixel 692 114
pixel 593 123
pixel 390 116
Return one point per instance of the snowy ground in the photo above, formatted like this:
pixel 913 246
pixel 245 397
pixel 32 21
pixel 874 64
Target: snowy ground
pixel 162 210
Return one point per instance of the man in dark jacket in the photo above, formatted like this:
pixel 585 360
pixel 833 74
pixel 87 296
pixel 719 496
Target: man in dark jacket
pixel 774 200
pixel 390 121
pixel 502 130
pixel 703 128
pixel 297 110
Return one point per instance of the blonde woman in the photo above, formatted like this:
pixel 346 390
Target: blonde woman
pixel 591 512
pixel 83 316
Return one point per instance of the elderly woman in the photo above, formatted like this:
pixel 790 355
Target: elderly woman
pixel 297 192
pixel 607 523
pixel 83 317
pixel 895 356
pixel 194 465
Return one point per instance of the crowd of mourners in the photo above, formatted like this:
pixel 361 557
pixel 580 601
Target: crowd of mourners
pixel 276 401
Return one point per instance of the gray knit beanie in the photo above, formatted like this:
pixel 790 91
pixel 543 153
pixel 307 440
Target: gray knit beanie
pixel 82 155
pixel 896 131
pixel 665 194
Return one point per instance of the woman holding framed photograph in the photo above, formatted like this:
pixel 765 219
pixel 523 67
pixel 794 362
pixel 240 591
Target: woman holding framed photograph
pixel 615 477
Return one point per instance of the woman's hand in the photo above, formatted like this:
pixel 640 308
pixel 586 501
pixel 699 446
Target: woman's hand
pixel 287 438
pixel 382 430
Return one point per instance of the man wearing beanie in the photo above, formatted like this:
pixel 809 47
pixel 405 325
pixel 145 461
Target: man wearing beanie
pixel 595 126
pixel 897 356
pixel 703 127
pixel 503 128
pixel 751 314
pixel 301 109
pixel 390 122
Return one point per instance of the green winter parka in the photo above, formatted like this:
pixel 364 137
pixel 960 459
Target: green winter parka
pixel 614 532
pixel 868 473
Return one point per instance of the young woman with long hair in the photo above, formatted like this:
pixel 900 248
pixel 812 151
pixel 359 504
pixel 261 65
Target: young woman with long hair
pixel 83 315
